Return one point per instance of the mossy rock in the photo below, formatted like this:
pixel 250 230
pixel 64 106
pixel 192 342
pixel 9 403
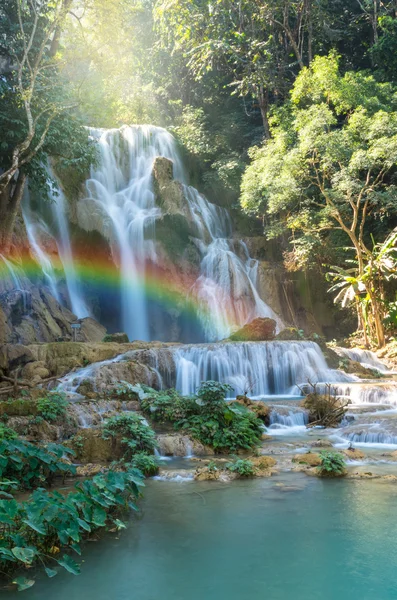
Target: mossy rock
pixel 21 407
pixel 118 338
pixel 290 334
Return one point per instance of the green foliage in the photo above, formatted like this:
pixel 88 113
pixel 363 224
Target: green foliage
pixel 6 433
pixel 242 466
pixel 213 392
pixel 52 407
pixel 32 465
pixel 207 418
pixel 124 391
pixel 134 433
pixel 146 463
pixel 34 531
pixel 332 464
pixel 167 405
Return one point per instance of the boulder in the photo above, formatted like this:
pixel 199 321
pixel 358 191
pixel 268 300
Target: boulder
pixel 90 469
pixel 321 444
pixel 91 447
pixel 118 338
pixel 311 459
pixel 261 329
pixel 263 463
pixel 260 408
pixel 35 371
pixel 175 444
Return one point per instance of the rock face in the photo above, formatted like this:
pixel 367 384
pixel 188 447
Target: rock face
pixel 91 447
pixel 259 330
pixel 28 317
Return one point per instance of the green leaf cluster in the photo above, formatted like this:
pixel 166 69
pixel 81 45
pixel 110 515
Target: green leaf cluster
pixel 35 531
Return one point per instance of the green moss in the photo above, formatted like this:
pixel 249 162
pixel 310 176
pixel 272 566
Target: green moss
pixel 20 407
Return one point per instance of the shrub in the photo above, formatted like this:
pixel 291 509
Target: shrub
pixel 33 531
pixel 6 433
pixel 213 392
pixel 146 463
pixel 167 405
pixel 134 433
pixel 124 391
pixel 210 419
pixel 242 466
pixel 332 464
pixel 32 465
pixel 52 406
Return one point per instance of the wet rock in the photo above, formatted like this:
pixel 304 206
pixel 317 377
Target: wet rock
pixel 263 462
pixel 260 408
pixel 321 444
pixel 261 329
pixel 311 459
pixel 90 469
pixel 289 334
pixel 118 338
pixel 85 387
pixel 354 454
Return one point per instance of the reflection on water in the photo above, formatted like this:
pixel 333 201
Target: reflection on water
pixel 290 537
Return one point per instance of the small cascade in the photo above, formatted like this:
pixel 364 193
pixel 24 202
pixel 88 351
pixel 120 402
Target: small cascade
pixel 263 367
pixel 359 392
pixel 366 358
pixel 372 433
pixel 91 414
pixel 288 417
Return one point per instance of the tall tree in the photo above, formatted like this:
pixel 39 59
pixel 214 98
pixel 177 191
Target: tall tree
pixel 331 165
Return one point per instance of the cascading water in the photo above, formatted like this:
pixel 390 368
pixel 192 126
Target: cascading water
pixel 121 204
pixel 226 287
pixel 366 358
pixel 260 368
pixel 54 225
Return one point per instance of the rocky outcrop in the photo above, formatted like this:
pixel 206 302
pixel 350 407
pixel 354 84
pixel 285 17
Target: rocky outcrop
pixel 259 330
pixel 90 447
pixel 260 408
pixel 31 316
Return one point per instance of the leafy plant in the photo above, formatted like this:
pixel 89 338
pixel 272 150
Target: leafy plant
pixel 133 431
pixel 6 433
pixel 34 531
pixel 242 466
pixel 52 406
pixel 31 465
pixel 332 464
pixel 213 392
pixel 124 391
pixel 146 463
pixel 209 418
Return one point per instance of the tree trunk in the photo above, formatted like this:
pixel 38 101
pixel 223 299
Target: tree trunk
pixel 11 210
pixel 263 100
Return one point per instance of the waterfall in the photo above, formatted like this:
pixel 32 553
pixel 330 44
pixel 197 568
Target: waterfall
pixel 53 224
pixel 366 358
pixel 226 287
pixel 288 417
pixel 260 368
pixel 120 203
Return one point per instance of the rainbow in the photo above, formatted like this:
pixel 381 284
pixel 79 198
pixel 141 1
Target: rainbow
pixel 163 284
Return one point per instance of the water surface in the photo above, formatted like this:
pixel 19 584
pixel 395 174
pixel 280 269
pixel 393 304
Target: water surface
pixel 290 537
